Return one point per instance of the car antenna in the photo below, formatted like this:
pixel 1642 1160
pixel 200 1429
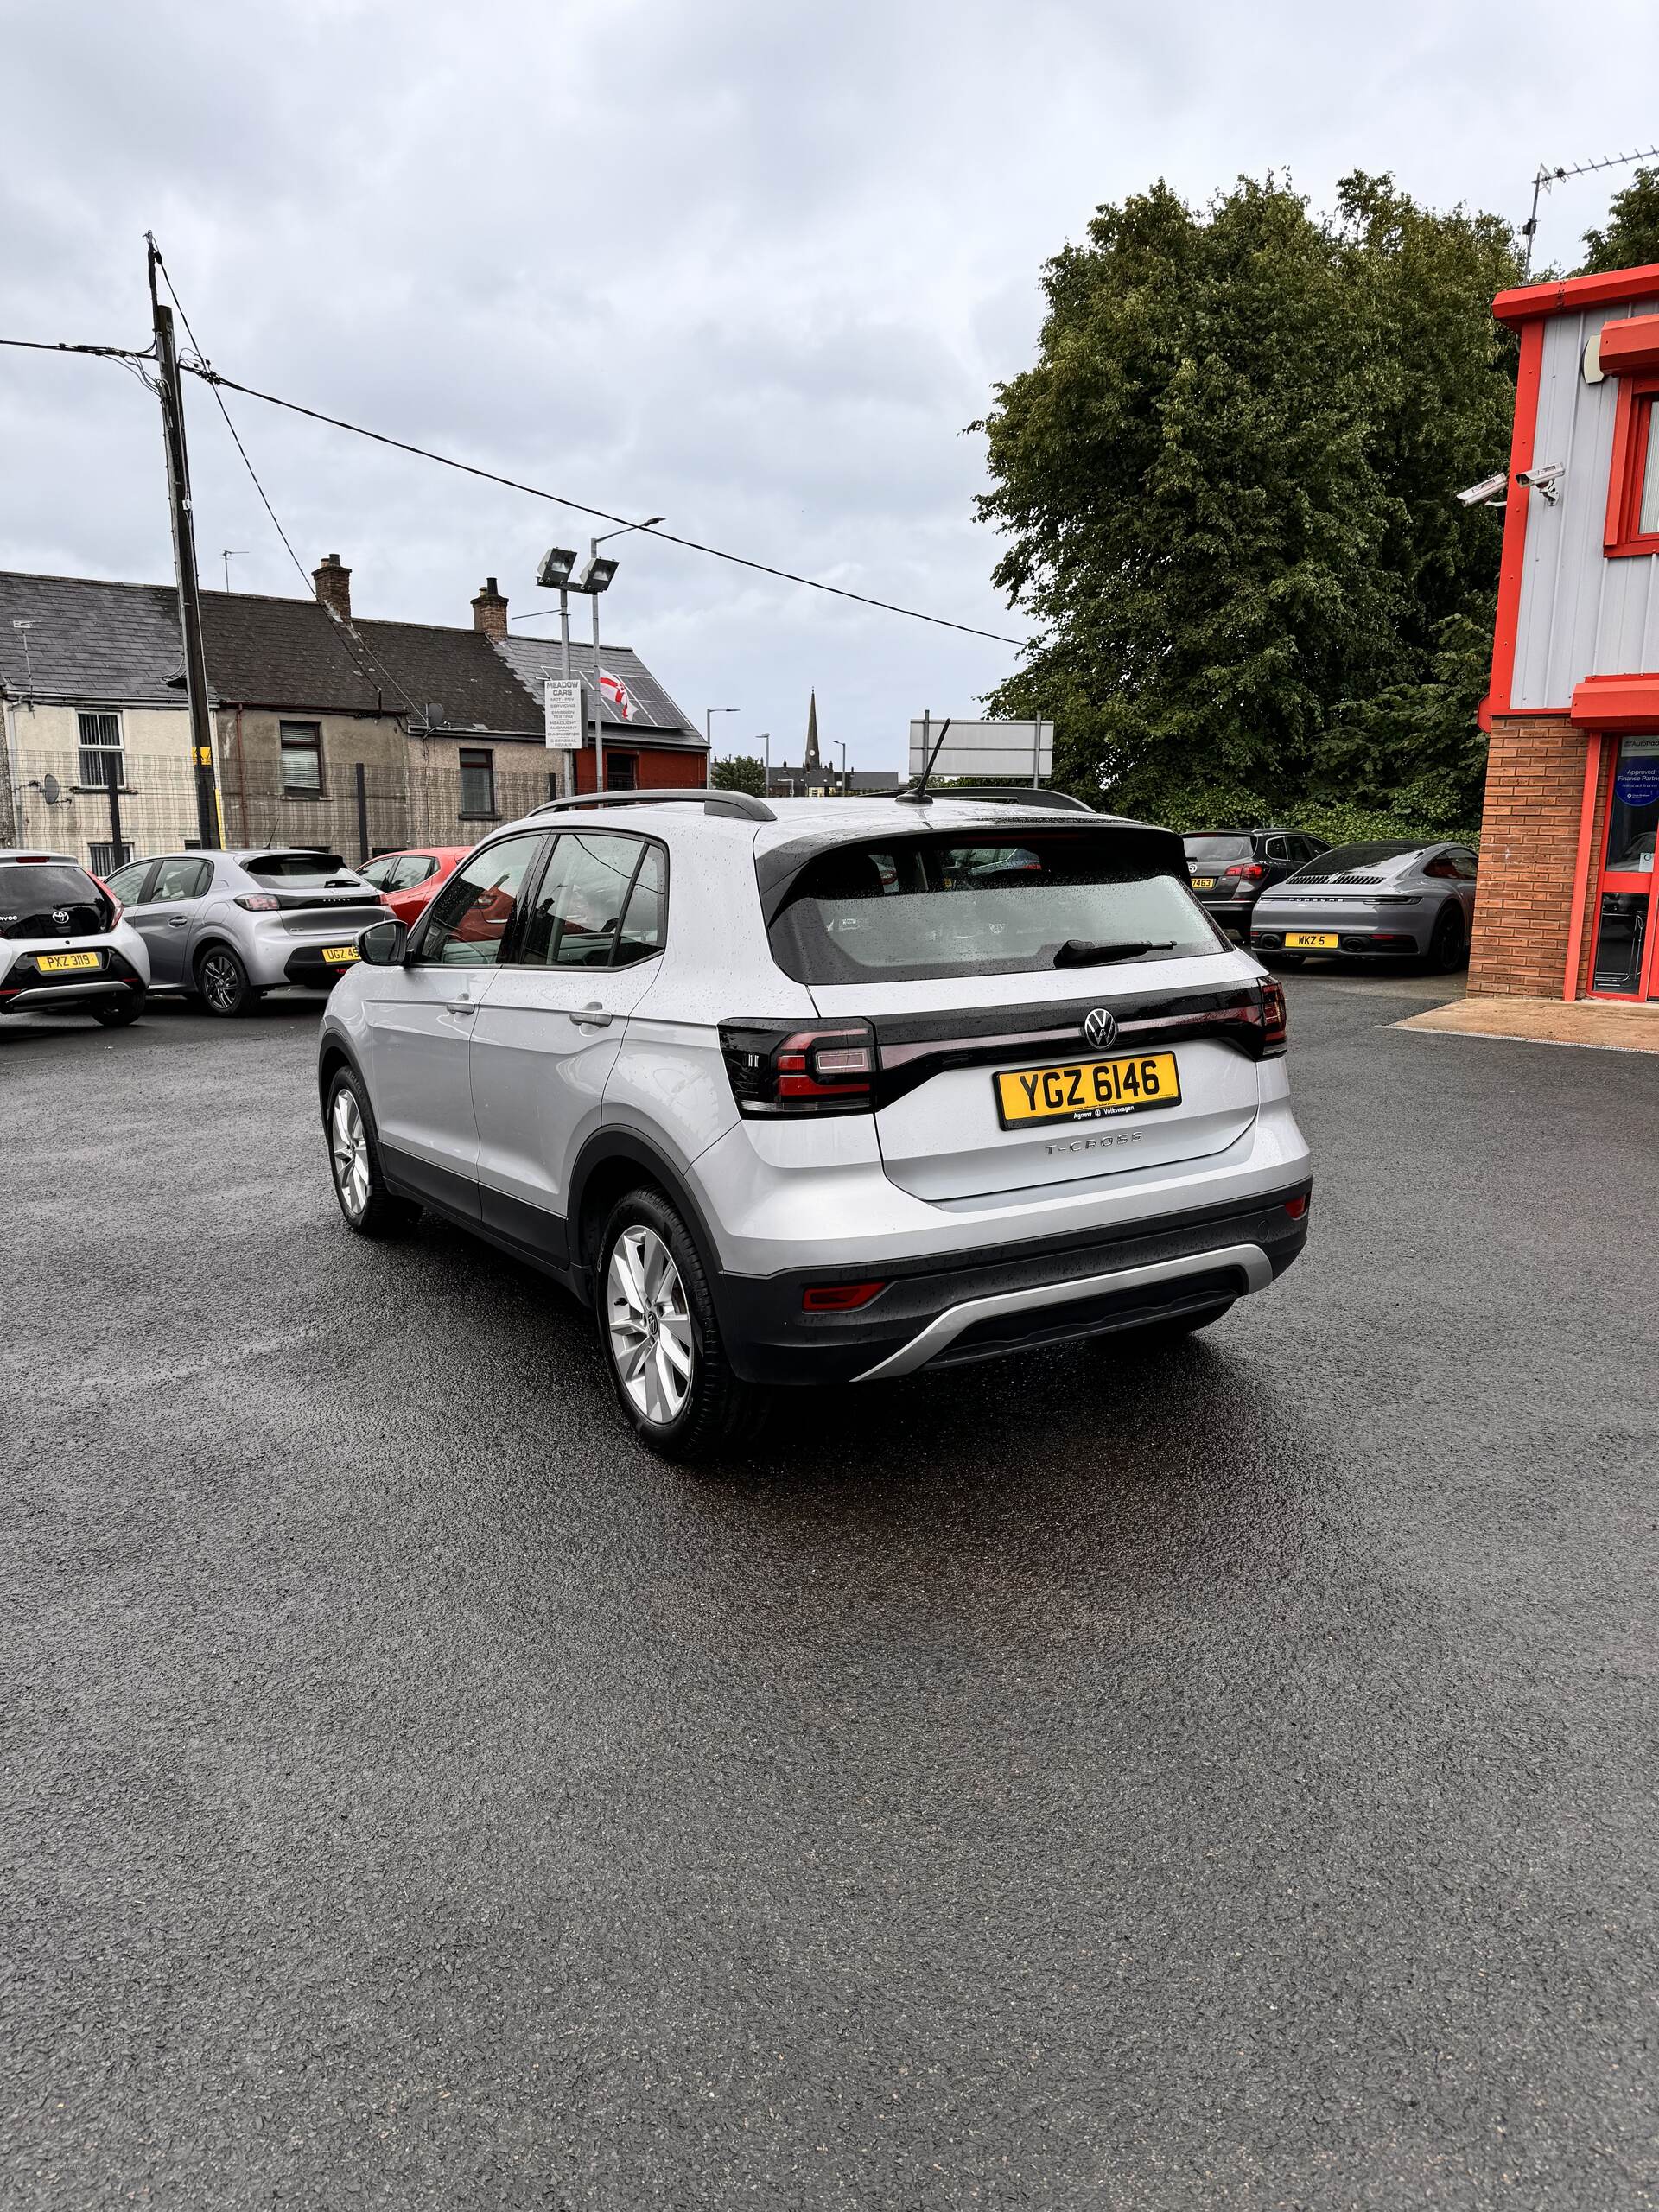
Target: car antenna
pixel 918 796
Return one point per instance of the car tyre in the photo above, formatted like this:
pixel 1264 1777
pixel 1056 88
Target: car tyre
pixel 354 1163
pixel 661 1338
pixel 120 1014
pixel 222 983
pixel 1448 948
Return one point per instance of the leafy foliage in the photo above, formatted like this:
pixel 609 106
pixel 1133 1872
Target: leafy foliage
pixel 740 772
pixel 1632 238
pixel 1226 487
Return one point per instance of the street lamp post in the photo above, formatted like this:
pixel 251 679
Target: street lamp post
pixel 841 743
pixel 594 578
pixel 709 714
pixel 765 739
pixel 555 574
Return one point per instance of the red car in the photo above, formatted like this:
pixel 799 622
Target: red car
pixel 407 880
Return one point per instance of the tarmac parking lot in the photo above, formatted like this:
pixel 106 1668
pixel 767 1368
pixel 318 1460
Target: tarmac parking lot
pixel 1218 1777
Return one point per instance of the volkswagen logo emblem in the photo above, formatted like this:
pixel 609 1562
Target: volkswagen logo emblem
pixel 60 915
pixel 1100 1024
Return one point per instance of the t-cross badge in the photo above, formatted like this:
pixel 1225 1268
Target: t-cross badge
pixel 790 1092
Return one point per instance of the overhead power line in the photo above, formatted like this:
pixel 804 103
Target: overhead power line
pixel 64 346
pixel 211 376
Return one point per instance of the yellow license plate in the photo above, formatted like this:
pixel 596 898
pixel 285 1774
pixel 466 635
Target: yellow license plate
pixel 1310 941
pixel 338 955
pixel 63 963
pixel 1203 883
pixel 1087 1091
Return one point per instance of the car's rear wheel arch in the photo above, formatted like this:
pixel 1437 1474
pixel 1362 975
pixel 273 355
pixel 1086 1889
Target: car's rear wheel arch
pixel 610 1164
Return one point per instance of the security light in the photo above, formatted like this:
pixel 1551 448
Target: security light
pixel 556 564
pixel 595 573
pixel 1478 495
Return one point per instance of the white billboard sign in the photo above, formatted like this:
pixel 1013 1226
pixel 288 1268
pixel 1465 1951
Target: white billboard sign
pixel 1013 751
pixel 561 705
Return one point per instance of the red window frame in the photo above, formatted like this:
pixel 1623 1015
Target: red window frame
pixel 1632 438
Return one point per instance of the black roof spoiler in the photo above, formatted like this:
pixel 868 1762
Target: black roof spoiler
pixel 735 804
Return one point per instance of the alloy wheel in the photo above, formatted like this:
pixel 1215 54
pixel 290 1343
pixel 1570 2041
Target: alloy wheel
pixel 650 1324
pixel 221 984
pixel 348 1146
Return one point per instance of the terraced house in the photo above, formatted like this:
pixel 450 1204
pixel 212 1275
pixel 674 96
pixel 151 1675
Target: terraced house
pixel 329 730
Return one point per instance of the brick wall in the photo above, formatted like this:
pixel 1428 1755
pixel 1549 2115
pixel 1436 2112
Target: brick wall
pixel 1528 856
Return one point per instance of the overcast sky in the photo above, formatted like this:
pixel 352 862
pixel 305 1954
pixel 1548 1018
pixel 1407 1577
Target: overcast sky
pixel 750 264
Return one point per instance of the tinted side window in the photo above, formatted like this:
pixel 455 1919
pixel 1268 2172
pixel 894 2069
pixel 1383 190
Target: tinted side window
pixel 574 920
pixel 1279 849
pixel 380 873
pixel 468 919
pixel 176 879
pixel 644 924
pixel 413 868
pixel 126 883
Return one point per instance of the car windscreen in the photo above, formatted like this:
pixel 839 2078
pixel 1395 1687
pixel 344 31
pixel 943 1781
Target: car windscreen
pixel 1216 849
pixel 50 899
pixel 1356 863
pixel 911 909
pixel 295 867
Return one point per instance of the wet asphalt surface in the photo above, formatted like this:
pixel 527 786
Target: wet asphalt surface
pixel 1226 1777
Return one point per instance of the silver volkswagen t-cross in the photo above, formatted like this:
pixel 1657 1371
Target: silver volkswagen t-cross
pixel 802 1091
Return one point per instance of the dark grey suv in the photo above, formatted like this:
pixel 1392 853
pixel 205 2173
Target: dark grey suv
pixel 1229 870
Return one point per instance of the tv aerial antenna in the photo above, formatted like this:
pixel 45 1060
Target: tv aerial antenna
pixel 1548 176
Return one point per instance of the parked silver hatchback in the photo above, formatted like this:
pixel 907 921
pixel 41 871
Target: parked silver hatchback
pixel 228 927
pixel 795 1092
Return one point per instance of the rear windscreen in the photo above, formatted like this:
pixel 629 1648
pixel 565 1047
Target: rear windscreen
pixel 1385 856
pixel 1216 849
pixel 916 908
pixel 50 899
pixel 295 868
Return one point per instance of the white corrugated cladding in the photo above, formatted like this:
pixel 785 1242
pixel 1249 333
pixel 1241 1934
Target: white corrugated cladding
pixel 1580 614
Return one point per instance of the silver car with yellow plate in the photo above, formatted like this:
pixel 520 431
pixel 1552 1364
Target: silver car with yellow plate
pixel 790 1092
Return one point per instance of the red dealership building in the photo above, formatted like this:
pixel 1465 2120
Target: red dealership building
pixel 1566 866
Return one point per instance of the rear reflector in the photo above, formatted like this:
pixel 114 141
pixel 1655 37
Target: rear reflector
pixel 1296 1207
pixel 839 1297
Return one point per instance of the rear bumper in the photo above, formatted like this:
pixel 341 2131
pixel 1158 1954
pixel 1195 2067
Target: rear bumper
pixel 1399 941
pixel 21 993
pixel 980 1305
pixel 307 967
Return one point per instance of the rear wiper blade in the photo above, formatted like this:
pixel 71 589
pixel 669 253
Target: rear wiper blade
pixel 1078 952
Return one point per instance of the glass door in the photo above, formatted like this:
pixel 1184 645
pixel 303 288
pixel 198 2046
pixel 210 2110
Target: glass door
pixel 1624 966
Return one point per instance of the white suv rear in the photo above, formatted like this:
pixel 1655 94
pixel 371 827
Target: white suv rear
pixel 812 1091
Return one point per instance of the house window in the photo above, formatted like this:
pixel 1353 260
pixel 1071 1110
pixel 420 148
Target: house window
pixel 107 858
pixel 100 750
pixel 1646 506
pixel 477 784
pixel 301 744
pixel 622 772
pixel 1633 491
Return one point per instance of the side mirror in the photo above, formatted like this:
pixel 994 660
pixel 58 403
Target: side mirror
pixel 383 945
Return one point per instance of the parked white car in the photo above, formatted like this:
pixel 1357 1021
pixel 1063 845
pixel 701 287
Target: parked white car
pixel 798 1093
pixel 65 946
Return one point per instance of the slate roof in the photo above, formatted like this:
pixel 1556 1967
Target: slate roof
pixel 533 659
pixel 269 652
pixel 97 644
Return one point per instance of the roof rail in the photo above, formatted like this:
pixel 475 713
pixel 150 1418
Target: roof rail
pixel 737 804
pixel 1063 802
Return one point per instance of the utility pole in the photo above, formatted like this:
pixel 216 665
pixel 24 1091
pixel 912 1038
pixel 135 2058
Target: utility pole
pixel 171 392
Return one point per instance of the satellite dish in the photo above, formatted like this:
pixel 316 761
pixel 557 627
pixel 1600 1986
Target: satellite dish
pixel 51 790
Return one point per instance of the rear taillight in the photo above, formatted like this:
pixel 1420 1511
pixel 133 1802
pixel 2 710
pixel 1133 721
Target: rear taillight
pixel 260 902
pixel 1252 871
pixel 115 906
pixel 1275 1025
pixel 782 1068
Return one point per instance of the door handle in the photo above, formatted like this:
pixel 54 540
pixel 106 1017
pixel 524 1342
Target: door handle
pixel 593 1016
pixel 461 1006
pixel 179 922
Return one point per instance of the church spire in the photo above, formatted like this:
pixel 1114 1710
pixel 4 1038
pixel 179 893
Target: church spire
pixel 811 760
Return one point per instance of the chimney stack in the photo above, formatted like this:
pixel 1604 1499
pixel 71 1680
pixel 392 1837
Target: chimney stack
pixel 334 584
pixel 490 613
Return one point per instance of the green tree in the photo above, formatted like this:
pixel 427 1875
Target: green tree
pixel 1632 238
pixel 741 772
pixel 1226 487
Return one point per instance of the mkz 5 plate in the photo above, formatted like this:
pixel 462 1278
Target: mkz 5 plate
pixel 1087 1092
pixel 60 964
pixel 338 955
pixel 1310 941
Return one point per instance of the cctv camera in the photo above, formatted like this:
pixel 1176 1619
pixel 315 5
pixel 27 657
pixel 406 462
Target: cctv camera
pixel 1542 479
pixel 1480 495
